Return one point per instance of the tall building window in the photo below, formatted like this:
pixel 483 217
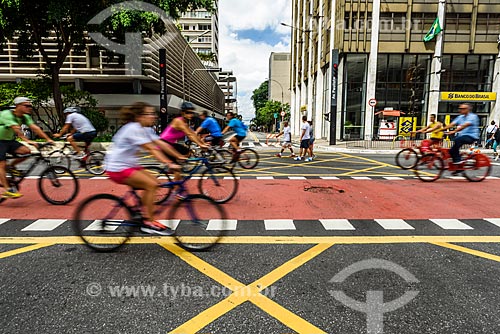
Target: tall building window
pixel 204 27
pixel 354 83
pixel 392 26
pixel 401 82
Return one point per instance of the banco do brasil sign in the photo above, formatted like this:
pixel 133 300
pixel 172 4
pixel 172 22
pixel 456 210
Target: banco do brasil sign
pixel 468 96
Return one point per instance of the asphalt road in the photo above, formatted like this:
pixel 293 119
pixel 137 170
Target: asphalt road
pixel 347 243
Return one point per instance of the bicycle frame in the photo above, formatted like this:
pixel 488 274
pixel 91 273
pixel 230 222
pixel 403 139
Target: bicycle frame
pixel 38 158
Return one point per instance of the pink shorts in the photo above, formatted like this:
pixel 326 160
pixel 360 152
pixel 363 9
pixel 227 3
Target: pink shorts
pixel 120 177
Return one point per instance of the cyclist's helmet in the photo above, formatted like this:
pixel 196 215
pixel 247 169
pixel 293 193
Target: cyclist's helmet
pixel 71 110
pixel 187 106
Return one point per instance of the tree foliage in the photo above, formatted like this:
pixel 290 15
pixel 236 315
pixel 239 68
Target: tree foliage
pixel 66 22
pixel 39 91
pixel 260 95
pixel 265 115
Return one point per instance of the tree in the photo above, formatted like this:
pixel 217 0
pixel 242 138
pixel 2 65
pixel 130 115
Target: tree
pixel 260 95
pixel 39 91
pixel 265 115
pixel 66 22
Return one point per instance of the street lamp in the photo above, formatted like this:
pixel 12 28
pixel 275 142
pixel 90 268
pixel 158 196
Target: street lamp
pixel 200 69
pixel 184 55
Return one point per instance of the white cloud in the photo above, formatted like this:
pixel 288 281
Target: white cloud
pixel 249 59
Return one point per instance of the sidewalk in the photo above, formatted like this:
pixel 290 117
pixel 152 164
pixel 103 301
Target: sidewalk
pixel 362 146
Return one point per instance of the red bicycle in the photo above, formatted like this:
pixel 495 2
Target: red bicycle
pixel 474 166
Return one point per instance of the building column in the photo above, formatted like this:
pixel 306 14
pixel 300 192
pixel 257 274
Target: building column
pixel 435 80
pixel 340 97
pixel 371 78
pixel 495 110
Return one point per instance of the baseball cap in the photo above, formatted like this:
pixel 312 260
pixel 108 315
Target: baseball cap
pixel 187 106
pixel 21 99
pixel 71 109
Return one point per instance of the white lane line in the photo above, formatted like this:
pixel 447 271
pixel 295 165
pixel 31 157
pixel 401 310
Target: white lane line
pixel 265 178
pixel 3 220
pixel 361 177
pixel 394 224
pixel 492 178
pixel 279 224
pixel 297 178
pixel 220 225
pixel 99 178
pixel 451 224
pixel 44 225
pixel 494 221
pixel 329 178
pixel 393 178
pixel 96 226
pixel 172 223
pixel 336 224
pixel 32 177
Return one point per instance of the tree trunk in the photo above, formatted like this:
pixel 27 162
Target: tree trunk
pixel 56 92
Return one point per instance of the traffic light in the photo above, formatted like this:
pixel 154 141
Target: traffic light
pixel 335 68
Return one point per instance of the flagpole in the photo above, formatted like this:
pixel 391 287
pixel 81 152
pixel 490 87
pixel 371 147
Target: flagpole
pixel 435 80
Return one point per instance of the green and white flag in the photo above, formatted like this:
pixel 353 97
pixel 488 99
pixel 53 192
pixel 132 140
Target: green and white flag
pixel 433 31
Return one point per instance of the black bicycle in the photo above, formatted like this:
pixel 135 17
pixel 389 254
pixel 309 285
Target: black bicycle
pixel 105 222
pixel 92 161
pixel 57 184
pixel 216 181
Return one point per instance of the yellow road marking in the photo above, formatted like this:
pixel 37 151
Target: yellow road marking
pixel 249 293
pixel 362 170
pixel 468 251
pixel 370 160
pixel 21 250
pixel 74 240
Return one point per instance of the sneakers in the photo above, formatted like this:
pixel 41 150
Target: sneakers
pixel 278 155
pixel 80 155
pixel 12 193
pixel 297 159
pixel 14 171
pixel 309 159
pixel 154 227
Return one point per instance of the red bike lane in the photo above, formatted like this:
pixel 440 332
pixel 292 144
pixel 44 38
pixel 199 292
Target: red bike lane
pixel 308 199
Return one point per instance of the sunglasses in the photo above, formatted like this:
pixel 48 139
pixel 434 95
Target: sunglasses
pixel 149 114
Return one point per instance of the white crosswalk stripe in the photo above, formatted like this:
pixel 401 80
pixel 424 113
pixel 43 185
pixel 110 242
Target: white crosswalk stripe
pixel 494 221
pixel 296 178
pixel 97 226
pixel 44 225
pixel 218 225
pixel 451 224
pixel 361 178
pixel 393 178
pixel 394 224
pixel 279 224
pixel 265 178
pixel 3 220
pixel 329 178
pixel 172 223
pixel 337 224
pixel 251 145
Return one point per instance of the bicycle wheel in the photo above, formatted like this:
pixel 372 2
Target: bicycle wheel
pixel 162 193
pixel 201 222
pixel 477 167
pixel 407 158
pixel 59 158
pixel 95 163
pixel 429 167
pixel 104 222
pixel 219 183
pixel 223 154
pixel 58 185
pixel 248 158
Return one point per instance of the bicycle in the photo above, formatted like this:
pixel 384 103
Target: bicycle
pixel 430 167
pixel 92 161
pixel 216 181
pixel 408 157
pixel 106 222
pixel 53 183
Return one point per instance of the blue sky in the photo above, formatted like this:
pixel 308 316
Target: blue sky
pixel 249 30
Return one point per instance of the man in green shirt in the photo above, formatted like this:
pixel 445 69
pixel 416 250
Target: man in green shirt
pixel 10 127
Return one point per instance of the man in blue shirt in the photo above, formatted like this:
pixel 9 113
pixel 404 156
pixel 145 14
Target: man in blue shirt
pixel 467 130
pixel 211 125
pixel 238 127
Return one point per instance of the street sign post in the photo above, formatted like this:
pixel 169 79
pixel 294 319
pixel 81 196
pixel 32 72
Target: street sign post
pixel 372 103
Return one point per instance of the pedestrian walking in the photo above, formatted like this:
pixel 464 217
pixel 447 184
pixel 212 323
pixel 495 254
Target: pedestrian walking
pixel 490 132
pixel 311 140
pixel 496 141
pixel 305 135
pixel 287 139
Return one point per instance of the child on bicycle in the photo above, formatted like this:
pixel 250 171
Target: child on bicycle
pixel 122 163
